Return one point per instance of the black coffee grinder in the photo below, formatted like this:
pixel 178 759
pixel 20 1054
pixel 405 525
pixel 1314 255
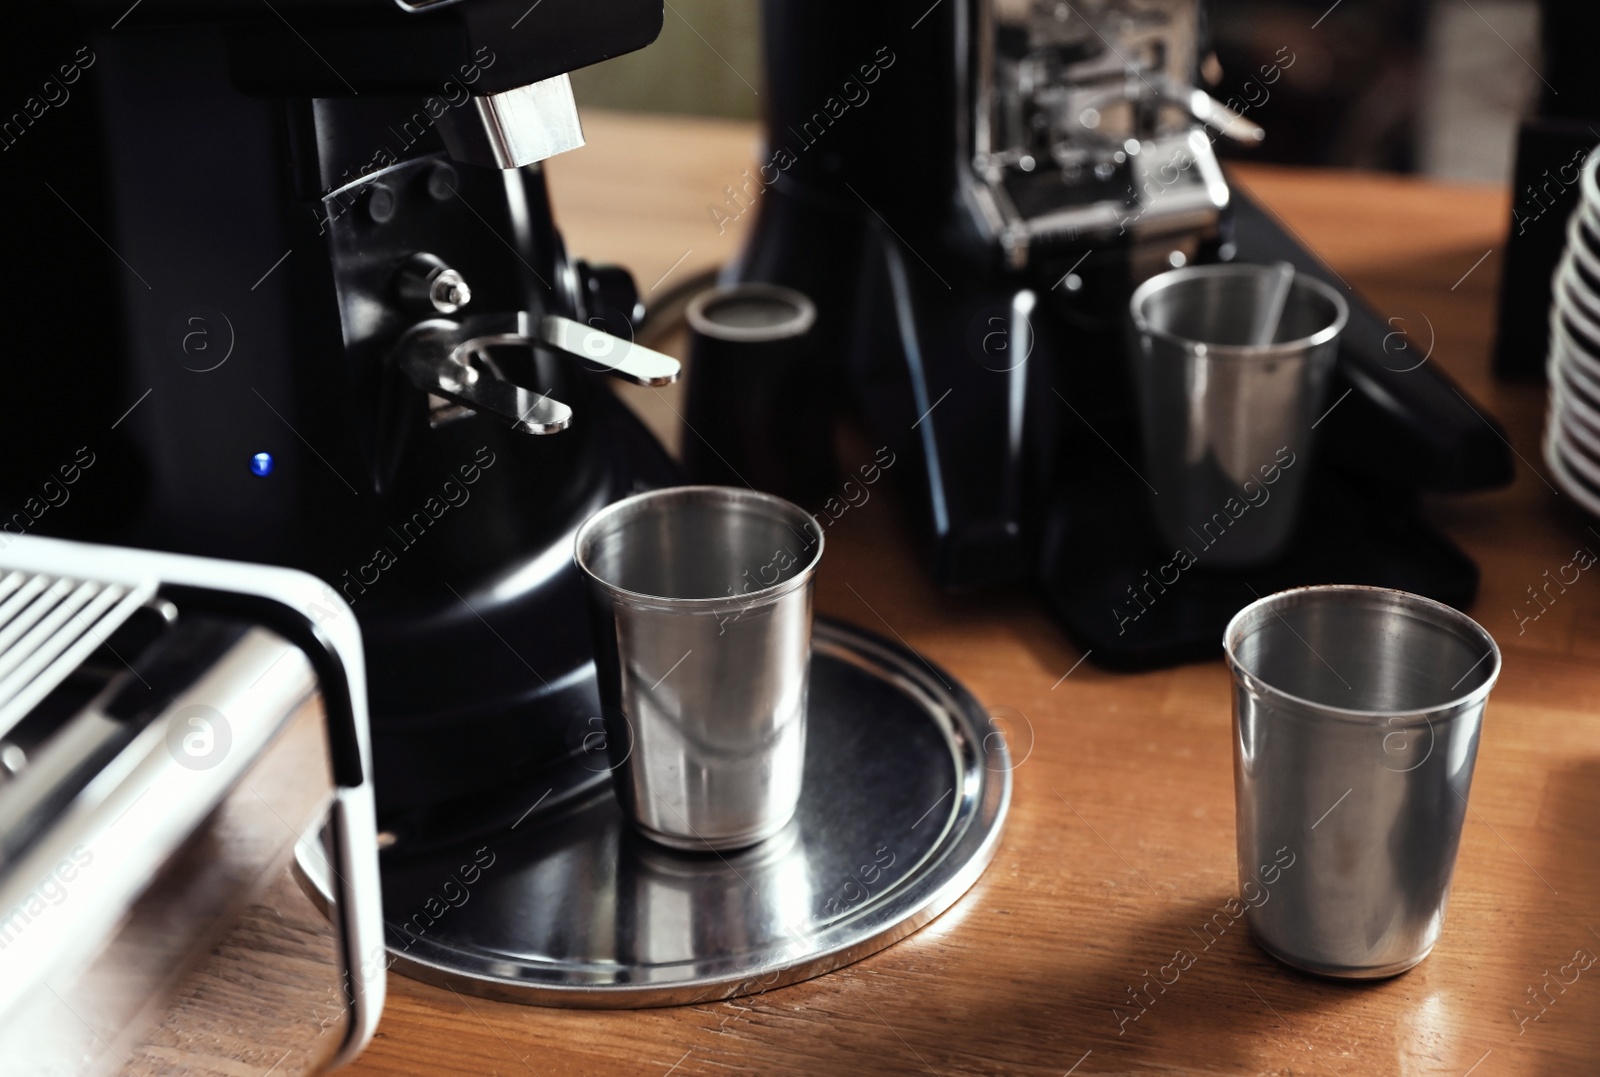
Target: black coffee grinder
pixel 296 296
pixel 969 191
pixel 299 261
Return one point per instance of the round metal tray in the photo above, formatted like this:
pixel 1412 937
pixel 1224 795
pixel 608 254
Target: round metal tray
pixel 907 783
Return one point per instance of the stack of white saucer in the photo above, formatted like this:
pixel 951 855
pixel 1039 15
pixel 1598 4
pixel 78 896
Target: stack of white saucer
pixel 1572 434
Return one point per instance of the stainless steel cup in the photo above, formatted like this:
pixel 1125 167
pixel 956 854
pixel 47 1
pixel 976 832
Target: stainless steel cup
pixel 1227 422
pixel 700 608
pixel 1356 718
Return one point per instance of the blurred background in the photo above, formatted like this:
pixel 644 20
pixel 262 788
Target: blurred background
pixel 1427 86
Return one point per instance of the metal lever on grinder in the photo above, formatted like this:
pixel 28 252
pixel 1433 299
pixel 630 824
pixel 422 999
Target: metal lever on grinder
pixel 436 358
pixel 608 353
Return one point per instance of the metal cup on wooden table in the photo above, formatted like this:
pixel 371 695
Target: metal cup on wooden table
pixel 1357 713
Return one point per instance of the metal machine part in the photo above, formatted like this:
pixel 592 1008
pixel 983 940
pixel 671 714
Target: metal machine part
pixel 515 127
pixel 428 285
pixel 169 762
pixel 1085 125
pixel 606 353
pixel 456 361
pixel 424 5
pixel 907 785
pixel 443 358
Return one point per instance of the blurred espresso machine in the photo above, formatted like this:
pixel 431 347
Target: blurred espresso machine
pixel 970 191
pixel 296 290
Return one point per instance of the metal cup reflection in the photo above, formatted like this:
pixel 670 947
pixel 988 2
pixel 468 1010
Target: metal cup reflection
pixel 675 907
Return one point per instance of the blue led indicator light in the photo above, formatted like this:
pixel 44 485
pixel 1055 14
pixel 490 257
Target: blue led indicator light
pixel 261 463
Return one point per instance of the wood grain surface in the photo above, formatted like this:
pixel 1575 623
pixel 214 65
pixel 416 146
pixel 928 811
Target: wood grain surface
pixel 1121 841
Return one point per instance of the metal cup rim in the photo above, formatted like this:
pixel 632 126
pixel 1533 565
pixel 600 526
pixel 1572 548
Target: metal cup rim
pixel 1237 352
pixel 701 322
pixel 727 495
pixel 1437 612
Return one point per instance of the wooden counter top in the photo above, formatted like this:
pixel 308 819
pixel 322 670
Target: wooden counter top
pixel 1121 841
